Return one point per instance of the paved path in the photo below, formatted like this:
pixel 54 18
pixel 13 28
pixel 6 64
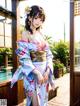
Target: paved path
pixel 63 94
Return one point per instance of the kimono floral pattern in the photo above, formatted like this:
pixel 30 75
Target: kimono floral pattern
pixel 26 68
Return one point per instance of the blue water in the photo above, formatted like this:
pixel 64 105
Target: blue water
pixel 5 76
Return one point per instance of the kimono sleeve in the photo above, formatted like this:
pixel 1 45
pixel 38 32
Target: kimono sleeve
pixel 50 65
pixel 26 66
pixel 50 60
pixel 24 58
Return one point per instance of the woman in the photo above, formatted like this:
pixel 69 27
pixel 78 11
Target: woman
pixel 35 58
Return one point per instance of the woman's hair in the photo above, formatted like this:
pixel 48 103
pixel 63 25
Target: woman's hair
pixel 34 11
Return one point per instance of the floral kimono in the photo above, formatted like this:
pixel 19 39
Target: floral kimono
pixel 28 51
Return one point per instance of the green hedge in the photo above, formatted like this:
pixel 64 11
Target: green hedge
pixel 3 52
pixel 6 51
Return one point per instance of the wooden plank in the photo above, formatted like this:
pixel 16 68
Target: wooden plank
pixel 10 93
pixel 6 13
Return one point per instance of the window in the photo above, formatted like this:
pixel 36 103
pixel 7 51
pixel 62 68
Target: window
pixel 6 4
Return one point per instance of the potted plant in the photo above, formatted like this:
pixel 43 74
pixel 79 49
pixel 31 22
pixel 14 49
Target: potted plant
pixel 58 68
pixel 60 51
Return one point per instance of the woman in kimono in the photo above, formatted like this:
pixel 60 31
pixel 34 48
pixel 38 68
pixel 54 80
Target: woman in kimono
pixel 35 59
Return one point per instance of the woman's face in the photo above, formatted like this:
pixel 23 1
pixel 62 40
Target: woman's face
pixel 36 22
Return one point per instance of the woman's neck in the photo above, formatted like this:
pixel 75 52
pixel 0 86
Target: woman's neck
pixel 33 29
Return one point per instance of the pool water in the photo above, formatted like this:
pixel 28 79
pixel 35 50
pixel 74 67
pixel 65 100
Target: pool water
pixel 5 76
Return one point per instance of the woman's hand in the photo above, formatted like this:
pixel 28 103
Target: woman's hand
pixel 39 76
pixel 53 87
pixel 46 75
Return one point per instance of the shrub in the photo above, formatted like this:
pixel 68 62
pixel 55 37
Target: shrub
pixel 3 52
pixel 58 69
pixel 60 51
pixel 58 65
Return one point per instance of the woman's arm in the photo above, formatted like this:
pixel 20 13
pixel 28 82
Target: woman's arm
pixel 26 61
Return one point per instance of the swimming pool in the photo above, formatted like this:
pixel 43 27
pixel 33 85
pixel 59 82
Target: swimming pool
pixel 5 75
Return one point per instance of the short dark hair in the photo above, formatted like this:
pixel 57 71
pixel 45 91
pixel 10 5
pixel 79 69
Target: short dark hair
pixel 35 11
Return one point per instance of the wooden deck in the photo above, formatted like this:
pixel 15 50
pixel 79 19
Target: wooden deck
pixel 63 93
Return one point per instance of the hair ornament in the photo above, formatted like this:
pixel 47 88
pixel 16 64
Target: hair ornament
pixel 27 9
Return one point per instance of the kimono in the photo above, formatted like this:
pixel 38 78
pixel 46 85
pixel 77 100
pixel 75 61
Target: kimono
pixel 37 45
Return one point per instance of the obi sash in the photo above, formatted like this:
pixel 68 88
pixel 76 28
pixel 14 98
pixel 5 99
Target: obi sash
pixel 38 56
